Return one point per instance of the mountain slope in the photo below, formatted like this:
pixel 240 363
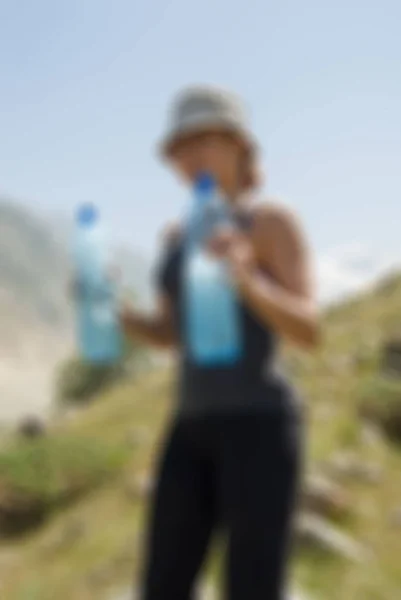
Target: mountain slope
pixel 34 315
pixel 36 325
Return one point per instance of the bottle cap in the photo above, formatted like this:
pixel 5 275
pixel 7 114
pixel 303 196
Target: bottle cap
pixel 87 214
pixel 205 183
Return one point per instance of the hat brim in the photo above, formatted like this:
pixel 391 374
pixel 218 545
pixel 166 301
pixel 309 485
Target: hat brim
pixel 166 147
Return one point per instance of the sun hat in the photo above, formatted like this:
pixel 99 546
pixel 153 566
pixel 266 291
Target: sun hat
pixel 204 108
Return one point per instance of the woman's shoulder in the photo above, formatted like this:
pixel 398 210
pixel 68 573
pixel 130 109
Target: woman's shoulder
pixel 277 229
pixel 270 213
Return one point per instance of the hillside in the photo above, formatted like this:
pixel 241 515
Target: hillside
pixel 349 540
pixel 34 331
pixel 35 318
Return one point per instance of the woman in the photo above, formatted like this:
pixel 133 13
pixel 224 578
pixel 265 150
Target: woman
pixel 232 457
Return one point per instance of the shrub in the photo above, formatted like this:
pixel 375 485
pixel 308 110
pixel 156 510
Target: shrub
pixel 380 402
pixel 79 382
pixel 38 476
pixel 53 467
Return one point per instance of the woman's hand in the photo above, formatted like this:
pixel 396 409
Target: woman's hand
pixel 237 250
pixel 278 286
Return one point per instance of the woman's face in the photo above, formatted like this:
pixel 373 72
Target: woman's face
pixel 216 153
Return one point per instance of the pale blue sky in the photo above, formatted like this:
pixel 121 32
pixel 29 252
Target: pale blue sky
pixel 84 86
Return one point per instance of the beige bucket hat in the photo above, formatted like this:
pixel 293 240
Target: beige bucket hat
pixel 206 108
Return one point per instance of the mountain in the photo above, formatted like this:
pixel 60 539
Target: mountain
pixel 34 315
pixel 36 330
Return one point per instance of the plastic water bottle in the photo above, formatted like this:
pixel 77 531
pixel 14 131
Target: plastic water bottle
pixel 212 323
pixel 98 330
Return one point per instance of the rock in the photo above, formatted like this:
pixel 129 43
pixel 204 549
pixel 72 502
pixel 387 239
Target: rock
pixel 139 487
pixel 203 592
pixel 315 533
pixel 206 592
pixel 371 434
pixel 19 512
pixel 296 596
pixel 145 485
pixel 126 595
pixel 350 466
pixel 391 356
pixel 31 427
pixel 322 496
pixel 380 403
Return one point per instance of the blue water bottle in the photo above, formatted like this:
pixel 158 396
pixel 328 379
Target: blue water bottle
pixel 212 321
pixel 98 330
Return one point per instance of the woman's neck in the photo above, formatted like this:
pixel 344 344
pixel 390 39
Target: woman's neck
pixel 230 189
pixel 237 199
pixel 231 194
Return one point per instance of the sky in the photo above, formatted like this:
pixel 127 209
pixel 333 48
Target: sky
pixel 85 87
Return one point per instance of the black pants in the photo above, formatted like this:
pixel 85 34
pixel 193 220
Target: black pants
pixel 238 472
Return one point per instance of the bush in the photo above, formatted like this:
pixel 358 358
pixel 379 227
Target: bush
pixel 38 476
pixel 380 402
pixel 79 382
pixel 54 467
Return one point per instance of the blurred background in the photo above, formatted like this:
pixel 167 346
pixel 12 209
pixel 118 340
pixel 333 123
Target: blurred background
pixel 84 87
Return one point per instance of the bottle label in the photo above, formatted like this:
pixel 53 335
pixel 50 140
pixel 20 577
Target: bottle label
pixel 104 315
pixel 213 328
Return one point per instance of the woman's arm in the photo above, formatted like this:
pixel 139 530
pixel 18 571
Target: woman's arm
pixel 157 329
pixel 282 294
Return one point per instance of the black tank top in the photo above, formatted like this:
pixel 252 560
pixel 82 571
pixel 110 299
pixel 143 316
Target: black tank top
pixel 253 384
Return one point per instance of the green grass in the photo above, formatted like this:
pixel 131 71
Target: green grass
pixel 333 381
pixel 50 468
pixel 380 400
pixel 112 520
